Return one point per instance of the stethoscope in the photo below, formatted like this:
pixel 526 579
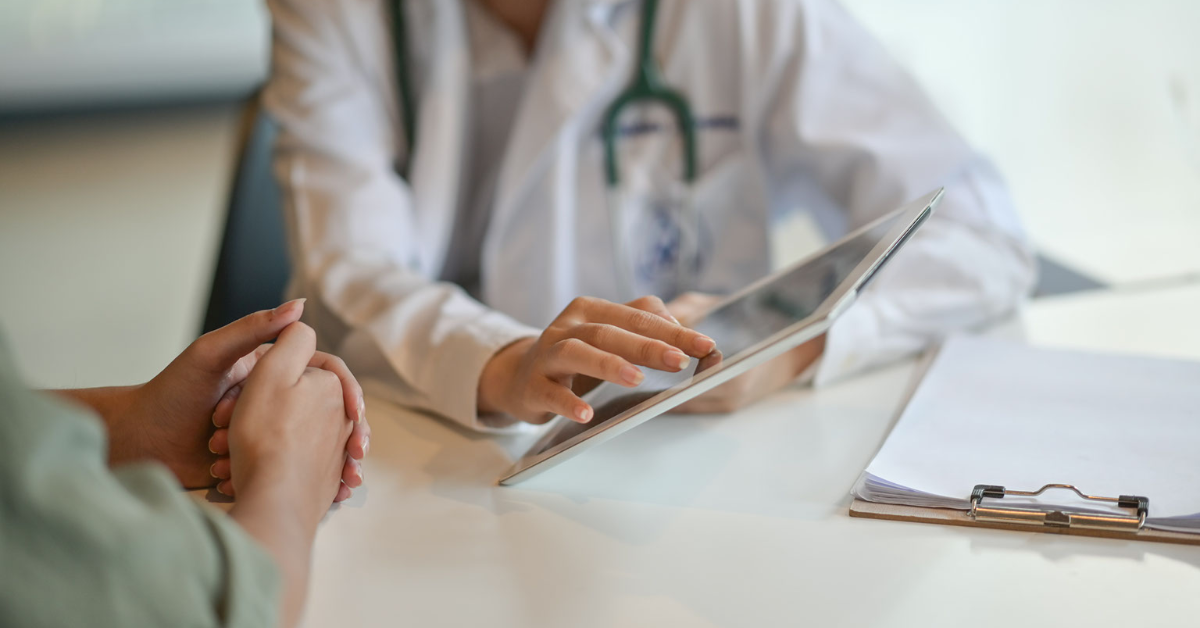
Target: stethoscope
pixel 647 87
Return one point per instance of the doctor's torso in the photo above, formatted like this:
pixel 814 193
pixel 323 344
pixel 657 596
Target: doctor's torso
pixel 505 192
pixel 532 212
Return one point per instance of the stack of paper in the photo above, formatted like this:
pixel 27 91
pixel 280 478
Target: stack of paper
pixel 1001 413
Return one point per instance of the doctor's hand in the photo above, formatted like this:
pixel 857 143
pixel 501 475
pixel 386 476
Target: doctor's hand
pixel 752 385
pixel 592 340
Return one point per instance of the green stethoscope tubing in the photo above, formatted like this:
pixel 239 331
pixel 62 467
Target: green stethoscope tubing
pixel 404 82
pixel 647 86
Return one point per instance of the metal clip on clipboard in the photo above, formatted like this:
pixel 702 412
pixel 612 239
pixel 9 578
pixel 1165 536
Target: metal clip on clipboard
pixel 1134 522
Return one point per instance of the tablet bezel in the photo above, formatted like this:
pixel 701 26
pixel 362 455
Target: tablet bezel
pixel 815 324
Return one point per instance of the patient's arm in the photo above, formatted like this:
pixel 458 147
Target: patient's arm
pixel 170 419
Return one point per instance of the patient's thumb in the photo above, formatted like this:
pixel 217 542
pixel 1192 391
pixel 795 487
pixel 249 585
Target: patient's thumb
pixel 221 348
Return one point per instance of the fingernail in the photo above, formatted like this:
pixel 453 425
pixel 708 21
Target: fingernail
pixel 584 414
pixel 677 359
pixel 362 409
pixel 286 307
pixel 704 345
pixel 213 470
pixel 362 475
pixel 366 445
pixel 631 375
pixel 219 490
pixel 210 446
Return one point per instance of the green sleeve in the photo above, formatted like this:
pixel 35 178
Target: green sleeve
pixel 81 545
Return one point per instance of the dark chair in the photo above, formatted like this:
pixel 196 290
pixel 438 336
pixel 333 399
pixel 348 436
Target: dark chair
pixel 252 267
pixel 1056 278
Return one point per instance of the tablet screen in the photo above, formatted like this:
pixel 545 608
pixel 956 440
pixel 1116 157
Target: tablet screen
pixel 740 325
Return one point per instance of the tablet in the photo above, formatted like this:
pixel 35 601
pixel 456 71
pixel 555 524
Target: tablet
pixel 767 318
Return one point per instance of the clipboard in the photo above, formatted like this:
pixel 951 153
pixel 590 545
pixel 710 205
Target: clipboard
pixel 985 506
pixel 1130 527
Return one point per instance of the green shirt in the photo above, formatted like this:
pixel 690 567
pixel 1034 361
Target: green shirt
pixel 83 545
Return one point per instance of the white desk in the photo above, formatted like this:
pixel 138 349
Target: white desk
pixel 733 521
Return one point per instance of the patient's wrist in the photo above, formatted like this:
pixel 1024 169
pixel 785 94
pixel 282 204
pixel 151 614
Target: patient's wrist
pixel 277 490
pixel 114 406
pixel 110 402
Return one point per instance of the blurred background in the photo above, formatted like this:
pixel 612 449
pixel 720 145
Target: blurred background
pixel 133 163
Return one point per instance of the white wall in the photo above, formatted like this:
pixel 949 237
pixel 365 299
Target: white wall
pixel 108 232
pixel 1091 108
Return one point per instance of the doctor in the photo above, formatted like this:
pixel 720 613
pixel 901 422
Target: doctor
pixel 456 177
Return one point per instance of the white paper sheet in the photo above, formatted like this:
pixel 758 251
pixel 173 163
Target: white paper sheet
pixel 998 412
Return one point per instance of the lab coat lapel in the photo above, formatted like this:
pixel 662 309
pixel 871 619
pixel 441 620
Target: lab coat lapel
pixel 581 63
pixel 438 53
pixel 443 120
pixel 375 53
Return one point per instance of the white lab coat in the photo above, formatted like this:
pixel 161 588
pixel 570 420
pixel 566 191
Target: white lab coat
pixel 514 209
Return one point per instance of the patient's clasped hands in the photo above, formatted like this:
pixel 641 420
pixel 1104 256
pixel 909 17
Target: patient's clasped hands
pixel 228 383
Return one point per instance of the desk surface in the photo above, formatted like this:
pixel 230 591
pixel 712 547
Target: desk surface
pixel 720 521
